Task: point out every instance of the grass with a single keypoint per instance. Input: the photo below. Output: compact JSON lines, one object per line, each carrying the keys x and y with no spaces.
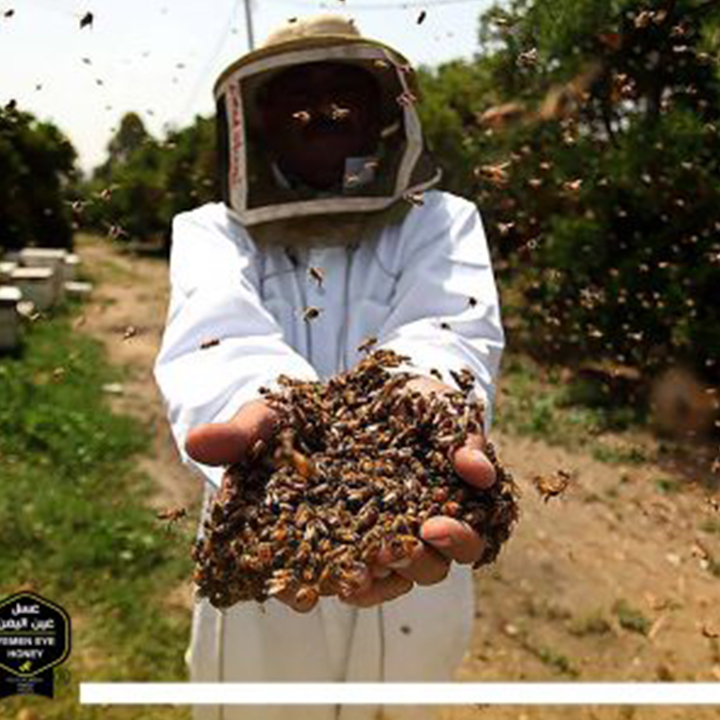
{"x":73,"y":526}
{"x":593,"y":623}
{"x":631,"y":618}
{"x":548,"y":656}
{"x":668,"y":486}
{"x":537,"y":402}
{"x":711,"y":525}
{"x":624,"y":456}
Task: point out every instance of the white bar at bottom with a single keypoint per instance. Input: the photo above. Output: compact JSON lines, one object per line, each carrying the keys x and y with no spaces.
{"x":651,"y":693}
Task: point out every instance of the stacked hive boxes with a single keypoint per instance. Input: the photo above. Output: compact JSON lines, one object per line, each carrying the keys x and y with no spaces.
{"x":41,"y":276}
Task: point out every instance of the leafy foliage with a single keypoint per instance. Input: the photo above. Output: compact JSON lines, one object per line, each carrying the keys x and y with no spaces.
{"x":592,"y":148}
{"x":37,"y":166}
{"x":145,"y":181}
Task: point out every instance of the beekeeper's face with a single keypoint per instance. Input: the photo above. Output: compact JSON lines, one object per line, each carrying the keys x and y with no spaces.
{"x":317,"y":115}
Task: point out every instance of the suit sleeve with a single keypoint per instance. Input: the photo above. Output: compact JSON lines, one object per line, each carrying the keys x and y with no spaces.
{"x":220,"y":344}
{"x":445,"y":311}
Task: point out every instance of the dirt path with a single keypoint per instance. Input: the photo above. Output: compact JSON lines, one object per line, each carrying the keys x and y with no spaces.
{"x":127,"y":313}
{"x":617,"y":580}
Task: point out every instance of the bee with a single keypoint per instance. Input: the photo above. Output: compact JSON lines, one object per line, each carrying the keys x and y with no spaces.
{"x":494,"y":174}
{"x":317,"y":274}
{"x":367,"y":344}
{"x":258,"y":448}
{"x":572,"y":185}
{"x":643,"y":19}
{"x":445,"y":326}
{"x":339,"y":113}
{"x":171,"y":515}
{"x":472,"y":301}
{"x":528,"y":58}
{"x":552,"y":486}
{"x":406,"y":98}
{"x":205,"y":344}
{"x":414,"y":198}
{"x":311,"y":313}
{"x":421,"y":17}
{"x":710,"y":632}
{"x":307,"y":595}
{"x":302,"y":464}
{"x":87,"y":20}
{"x":302,"y":116}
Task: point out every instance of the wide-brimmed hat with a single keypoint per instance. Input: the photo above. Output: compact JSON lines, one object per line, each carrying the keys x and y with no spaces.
{"x":321,"y":38}
{"x":325,"y":33}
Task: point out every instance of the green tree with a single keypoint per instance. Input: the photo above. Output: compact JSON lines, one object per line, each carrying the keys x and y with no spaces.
{"x":37,"y":167}
{"x":145,"y":181}
{"x":602,"y":198}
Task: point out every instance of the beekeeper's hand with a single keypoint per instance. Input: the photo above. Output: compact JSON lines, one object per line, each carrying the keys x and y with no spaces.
{"x":229,"y":442}
{"x":446,"y":539}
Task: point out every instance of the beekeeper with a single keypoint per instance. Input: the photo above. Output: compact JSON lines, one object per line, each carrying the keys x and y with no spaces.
{"x":329,"y":233}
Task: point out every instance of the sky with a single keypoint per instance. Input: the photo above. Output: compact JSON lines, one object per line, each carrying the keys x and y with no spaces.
{"x":160,"y":58}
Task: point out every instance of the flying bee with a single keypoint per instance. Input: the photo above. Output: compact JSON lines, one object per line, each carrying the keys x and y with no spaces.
{"x":339,"y":113}
{"x":421,"y":17}
{"x":367,"y":344}
{"x":172,"y":515}
{"x":552,"y":486}
{"x":528,"y":58}
{"x":472,"y":301}
{"x":414,"y":198}
{"x":494,"y":174}
{"x":212,"y":342}
{"x":572,"y":185}
{"x":302,"y":116}
{"x":406,"y":98}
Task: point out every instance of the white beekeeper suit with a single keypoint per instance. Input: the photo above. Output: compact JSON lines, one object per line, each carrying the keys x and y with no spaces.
{"x":418,"y":277}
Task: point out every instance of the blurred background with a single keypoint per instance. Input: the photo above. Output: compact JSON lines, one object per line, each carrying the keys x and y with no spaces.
{"x":587,"y":132}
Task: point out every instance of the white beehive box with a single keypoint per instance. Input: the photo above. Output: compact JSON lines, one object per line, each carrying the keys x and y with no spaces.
{"x":70,"y":267}
{"x":6,"y":270}
{"x":53,"y":258}
{"x":9,"y":317}
{"x":42,"y":257}
{"x":38,"y":284}
{"x":75,"y":289}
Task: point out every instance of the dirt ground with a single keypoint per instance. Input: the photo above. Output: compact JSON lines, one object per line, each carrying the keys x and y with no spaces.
{"x":618,"y":580}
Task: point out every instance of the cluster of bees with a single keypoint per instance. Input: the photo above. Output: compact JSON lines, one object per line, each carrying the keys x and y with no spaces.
{"x":357,"y":464}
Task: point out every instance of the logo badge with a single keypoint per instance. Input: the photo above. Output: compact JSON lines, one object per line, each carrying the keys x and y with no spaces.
{"x":34,"y":638}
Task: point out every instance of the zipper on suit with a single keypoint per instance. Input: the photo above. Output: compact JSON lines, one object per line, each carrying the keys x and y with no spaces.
{"x":350,"y":254}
